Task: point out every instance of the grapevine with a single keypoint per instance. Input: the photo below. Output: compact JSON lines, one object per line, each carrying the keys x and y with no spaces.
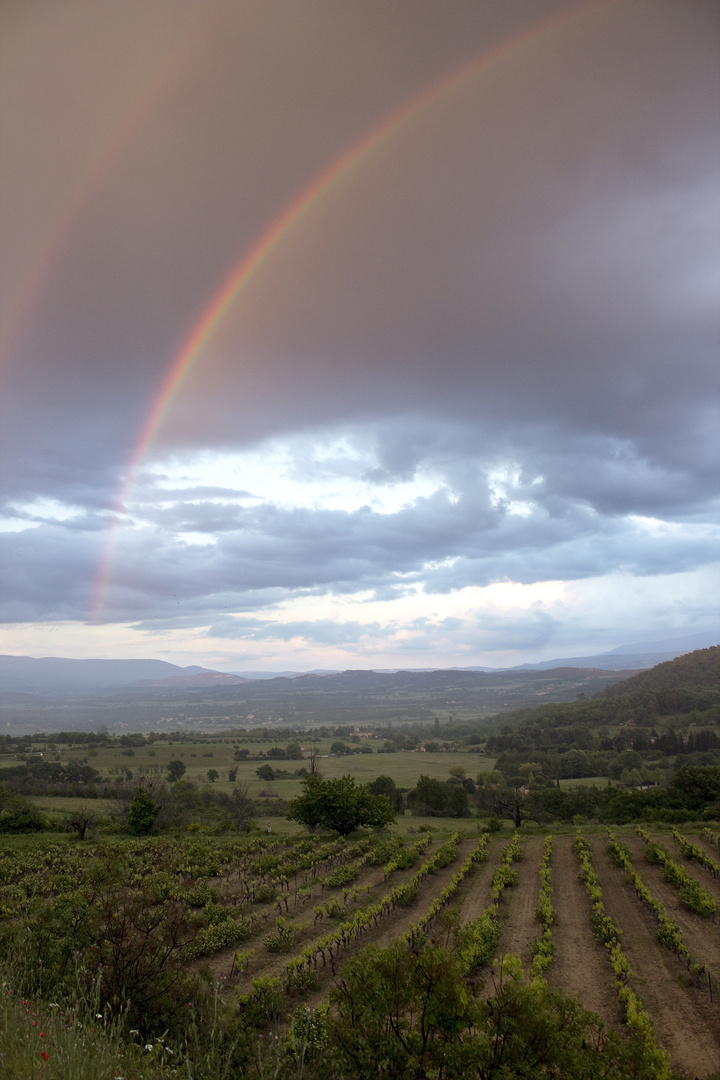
{"x":605,"y":930}
{"x":690,"y":891}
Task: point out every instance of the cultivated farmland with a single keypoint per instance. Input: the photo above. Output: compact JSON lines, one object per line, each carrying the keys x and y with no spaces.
{"x":272,"y":923}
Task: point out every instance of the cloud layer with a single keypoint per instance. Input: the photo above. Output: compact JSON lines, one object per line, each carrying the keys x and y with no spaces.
{"x":488,"y":356}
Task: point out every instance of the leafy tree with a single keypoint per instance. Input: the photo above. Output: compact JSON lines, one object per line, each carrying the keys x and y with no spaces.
{"x":265,"y":772}
{"x":385,"y":785}
{"x":241,"y":754}
{"x":176,"y":770}
{"x":142,"y":813}
{"x":697,"y":785}
{"x":213,"y":775}
{"x":339,"y":804}
{"x":438,"y":798}
{"x":232,"y":775}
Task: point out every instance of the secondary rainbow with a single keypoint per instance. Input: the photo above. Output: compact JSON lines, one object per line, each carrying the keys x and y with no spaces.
{"x":130,"y":119}
{"x":289,"y":219}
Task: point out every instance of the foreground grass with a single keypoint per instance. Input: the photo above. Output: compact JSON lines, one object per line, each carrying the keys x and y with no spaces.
{"x":72,"y":1041}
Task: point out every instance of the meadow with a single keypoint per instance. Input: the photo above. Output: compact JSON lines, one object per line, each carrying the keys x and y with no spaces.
{"x":204,"y":753}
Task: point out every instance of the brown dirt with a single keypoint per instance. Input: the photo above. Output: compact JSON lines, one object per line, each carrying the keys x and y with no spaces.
{"x":402,"y":918}
{"x":580,"y":966}
{"x":684,"y":1021}
{"x":709,"y":848}
{"x":392,"y":926}
{"x":700,"y":934}
{"x":221,"y":965}
{"x":701,"y":873}
{"x":522,"y":926}
{"x":477,"y":897}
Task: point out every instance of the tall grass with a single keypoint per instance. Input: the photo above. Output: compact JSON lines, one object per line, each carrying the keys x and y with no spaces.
{"x":77,"y":1038}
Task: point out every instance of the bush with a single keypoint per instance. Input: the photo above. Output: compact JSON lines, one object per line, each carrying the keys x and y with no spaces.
{"x":142,"y":813}
{"x":18,"y":815}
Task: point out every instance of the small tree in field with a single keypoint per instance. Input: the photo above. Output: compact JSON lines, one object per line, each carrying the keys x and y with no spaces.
{"x":213,"y":775}
{"x":176,"y":770}
{"x":340,"y":805}
{"x":82,"y":820}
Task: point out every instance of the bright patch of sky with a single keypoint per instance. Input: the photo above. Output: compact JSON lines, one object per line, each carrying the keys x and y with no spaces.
{"x":38,"y":512}
{"x":337,"y":474}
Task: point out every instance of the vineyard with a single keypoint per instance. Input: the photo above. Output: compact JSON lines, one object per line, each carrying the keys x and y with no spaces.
{"x":270,"y":930}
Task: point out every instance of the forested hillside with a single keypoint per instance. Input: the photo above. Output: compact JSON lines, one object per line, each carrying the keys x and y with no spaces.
{"x":694,"y":670}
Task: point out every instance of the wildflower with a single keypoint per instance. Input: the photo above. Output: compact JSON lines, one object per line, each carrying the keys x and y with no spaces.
{"x":98,"y":1016}
{"x":44,"y":1056}
{"x":148,"y":1046}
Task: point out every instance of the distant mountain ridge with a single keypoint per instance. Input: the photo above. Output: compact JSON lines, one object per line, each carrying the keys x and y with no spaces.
{"x":203,"y":678}
{"x":27,"y":673}
{"x":55,"y":672}
{"x":641,"y":654}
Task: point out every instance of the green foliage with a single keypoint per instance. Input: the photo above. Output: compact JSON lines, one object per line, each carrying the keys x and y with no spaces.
{"x":342,"y":875}
{"x":142,"y":813}
{"x":385,"y":785}
{"x":543,"y":948}
{"x":217,"y":936}
{"x":406,"y":1014}
{"x":697,"y":669}
{"x":339,"y":804}
{"x":17,"y":815}
{"x":608,"y":934}
{"x":176,"y":769}
{"x":690,"y":891}
{"x":74,"y":1038}
{"x":438,"y":798}
{"x":281,"y":939}
{"x":695,"y":853}
{"x":265,"y":1004}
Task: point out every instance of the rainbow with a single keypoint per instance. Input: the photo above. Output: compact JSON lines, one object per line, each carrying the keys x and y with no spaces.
{"x":288,"y":220}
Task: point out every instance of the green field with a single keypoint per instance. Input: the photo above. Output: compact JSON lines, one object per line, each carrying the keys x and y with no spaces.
{"x":150,"y":762}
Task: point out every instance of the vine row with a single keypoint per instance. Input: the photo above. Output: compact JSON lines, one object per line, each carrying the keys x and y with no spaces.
{"x":668,"y":933}
{"x":543,"y":948}
{"x":605,"y":930}
{"x":696,"y":854}
{"x":329,"y":946}
{"x":690,"y":891}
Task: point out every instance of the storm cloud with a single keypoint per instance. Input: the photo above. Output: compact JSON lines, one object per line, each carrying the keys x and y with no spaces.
{"x":485,"y":358}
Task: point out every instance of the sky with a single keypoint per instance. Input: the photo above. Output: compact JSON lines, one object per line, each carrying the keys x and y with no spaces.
{"x":358,"y":333}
